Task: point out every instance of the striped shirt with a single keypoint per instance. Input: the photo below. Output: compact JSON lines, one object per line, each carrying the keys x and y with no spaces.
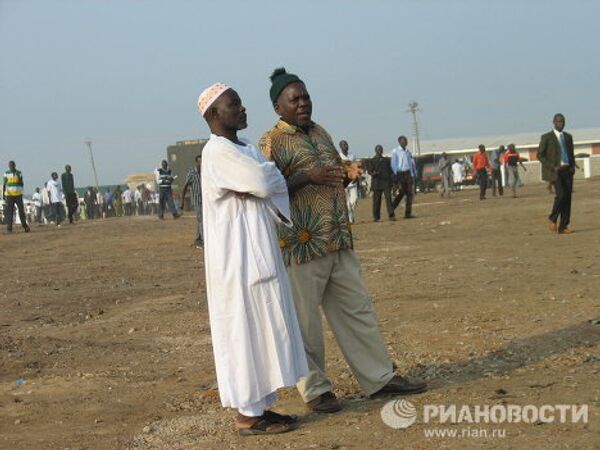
{"x":193,"y":180}
{"x":13,"y":179}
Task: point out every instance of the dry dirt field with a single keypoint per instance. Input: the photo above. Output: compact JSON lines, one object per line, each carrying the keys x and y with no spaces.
{"x":105,"y":326}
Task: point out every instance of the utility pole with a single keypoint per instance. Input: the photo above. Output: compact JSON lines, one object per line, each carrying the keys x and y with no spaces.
{"x":89,"y":144}
{"x":413,"y":107}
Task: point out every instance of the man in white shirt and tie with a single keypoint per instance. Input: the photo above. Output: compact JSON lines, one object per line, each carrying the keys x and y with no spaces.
{"x":404,"y":175}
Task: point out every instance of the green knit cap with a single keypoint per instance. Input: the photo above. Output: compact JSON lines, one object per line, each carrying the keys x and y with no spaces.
{"x":280,"y":79}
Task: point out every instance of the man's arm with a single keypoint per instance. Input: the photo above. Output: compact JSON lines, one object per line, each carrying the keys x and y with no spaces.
{"x":571,"y":151}
{"x":184,"y":192}
{"x":394,"y":162}
{"x":239,"y":173}
{"x":324,"y":175}
{"x":542,"y":149}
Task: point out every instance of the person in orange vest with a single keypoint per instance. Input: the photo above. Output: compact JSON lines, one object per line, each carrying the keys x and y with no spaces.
{"x":481,"y":164}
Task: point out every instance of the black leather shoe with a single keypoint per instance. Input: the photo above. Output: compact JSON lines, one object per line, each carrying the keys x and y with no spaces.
{"x":399,"y":385}
{"x":324,"y":403}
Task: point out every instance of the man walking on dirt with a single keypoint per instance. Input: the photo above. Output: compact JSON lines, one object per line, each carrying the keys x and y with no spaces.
{"x":12,"y":191}
{"x":444,"y":168}
{"x":481,"y":165}
{"x":381,"y":183}
{"x":68,"y":185}
{"x":164,"y":180}
{"x":495,"y":172}
{"x":555,"y":152}
{"x":405,"y":173}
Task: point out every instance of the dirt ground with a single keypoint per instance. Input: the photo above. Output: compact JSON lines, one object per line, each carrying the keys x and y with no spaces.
{"x":105,"y":343}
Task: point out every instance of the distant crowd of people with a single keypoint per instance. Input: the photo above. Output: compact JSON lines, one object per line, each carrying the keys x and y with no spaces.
{"x":58,"y":200}
{"x":396,"y":179}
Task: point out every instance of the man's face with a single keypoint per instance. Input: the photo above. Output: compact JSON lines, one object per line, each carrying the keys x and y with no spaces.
{"x":378,"y":150}
{"x":12,"y":165}
{"x":294,"y":105}
{"x":229,"y":111}
{"x":163,"y":164}
{"x":68,"y":169}
{"x":403,"y":142}
{"x":198,"y":163}
{"x":559,"y":123}
{"x":482,"y":149}
{"x":54,"y":176}
{"x":344,"y":147}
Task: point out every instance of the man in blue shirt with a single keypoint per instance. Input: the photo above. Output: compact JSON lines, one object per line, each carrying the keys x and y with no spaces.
{"x":404,"y":171}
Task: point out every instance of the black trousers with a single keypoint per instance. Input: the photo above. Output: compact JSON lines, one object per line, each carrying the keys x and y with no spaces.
{"x":482,"y":180}
{"x":377,"y":202}
{"x":406,"y":185}
{"x":497,"y":182}
{"x":72,"y":204}
{"x":563,"y":187}
{"x":9,"y":211}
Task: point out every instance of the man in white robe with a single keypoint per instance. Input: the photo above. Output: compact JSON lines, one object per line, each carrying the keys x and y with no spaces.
{"x":257,"y":343}
{"x":457,"y":174}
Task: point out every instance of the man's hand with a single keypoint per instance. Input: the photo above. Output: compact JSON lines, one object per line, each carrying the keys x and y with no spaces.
{"x":556,"y":168}
{"x":327,"y":175}
{"x":353,"y":170}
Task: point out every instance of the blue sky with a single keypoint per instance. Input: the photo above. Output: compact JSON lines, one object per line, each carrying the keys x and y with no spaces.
{"x":127,"y":73}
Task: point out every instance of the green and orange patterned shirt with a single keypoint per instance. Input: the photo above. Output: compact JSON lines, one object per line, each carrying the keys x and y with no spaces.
{"x":318,"y":212}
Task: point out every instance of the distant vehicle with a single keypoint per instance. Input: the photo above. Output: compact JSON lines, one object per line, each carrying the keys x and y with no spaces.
{"x":431,"y":178}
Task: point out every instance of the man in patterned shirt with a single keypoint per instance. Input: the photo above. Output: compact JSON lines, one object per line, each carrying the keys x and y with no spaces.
{"x":318,"y":251}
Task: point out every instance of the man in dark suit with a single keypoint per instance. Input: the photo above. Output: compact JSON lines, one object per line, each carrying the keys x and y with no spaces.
{"x":381,"y":183}
{"x":558,"y":165}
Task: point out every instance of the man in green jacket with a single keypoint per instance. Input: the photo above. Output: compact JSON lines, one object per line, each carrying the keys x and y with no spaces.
{"x":558,"y":166}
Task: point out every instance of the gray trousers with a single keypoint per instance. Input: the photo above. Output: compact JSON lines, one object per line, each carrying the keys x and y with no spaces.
{"x":445,"y":183}
{"x":334,"y":283}
{"x":199,"y":237}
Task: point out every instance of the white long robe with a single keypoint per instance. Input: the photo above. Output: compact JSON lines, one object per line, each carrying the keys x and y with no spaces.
{"x":256,"y":339}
